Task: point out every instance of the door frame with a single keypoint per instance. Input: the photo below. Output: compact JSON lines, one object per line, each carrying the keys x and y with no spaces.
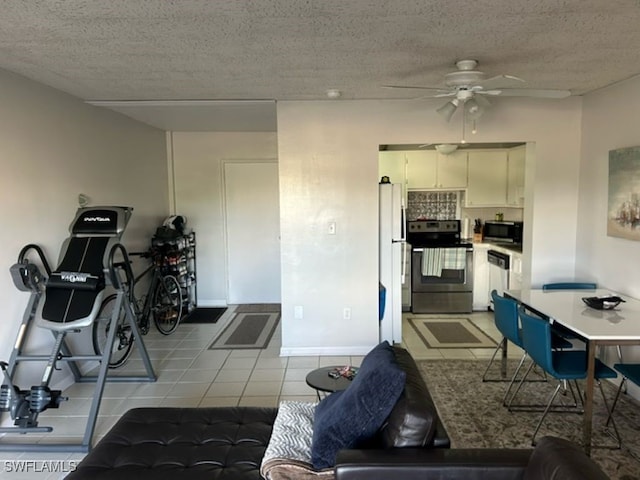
{"x":225,"y":219}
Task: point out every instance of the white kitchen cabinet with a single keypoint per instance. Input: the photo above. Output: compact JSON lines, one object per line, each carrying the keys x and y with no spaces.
{"x":429,"y":169}
{"x":452,"y":170}
{"x":393,"y":165}
{"x":515,"y":176}
{"x":487,"y":178}
{"x":422,"y":169}
{"x":480,"y":277}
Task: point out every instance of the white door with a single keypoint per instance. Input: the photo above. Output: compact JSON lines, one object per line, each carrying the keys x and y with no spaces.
{"x":253,"y":231}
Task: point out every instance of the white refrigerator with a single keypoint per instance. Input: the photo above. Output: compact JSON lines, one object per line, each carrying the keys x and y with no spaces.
{"x":391,"y":259}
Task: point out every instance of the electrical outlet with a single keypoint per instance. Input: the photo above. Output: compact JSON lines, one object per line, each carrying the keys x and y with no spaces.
{"x":298,"y":312}
{"x":331,"y":228}
{"x":346,"y":313}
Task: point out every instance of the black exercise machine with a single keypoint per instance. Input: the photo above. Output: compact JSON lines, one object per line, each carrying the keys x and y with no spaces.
{"x":65,"y":301}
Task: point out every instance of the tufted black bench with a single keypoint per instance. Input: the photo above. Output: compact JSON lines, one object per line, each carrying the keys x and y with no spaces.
{"x":171,"y":443}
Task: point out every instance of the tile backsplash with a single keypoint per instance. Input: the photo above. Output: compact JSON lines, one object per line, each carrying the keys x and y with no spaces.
{"x":433,"y":205}
{"x":448,"y":205}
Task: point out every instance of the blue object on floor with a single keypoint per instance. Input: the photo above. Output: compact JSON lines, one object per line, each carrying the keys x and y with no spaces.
{"x":382,"y":298}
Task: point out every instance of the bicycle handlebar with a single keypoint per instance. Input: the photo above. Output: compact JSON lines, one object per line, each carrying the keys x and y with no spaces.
{"x":150,"y":253}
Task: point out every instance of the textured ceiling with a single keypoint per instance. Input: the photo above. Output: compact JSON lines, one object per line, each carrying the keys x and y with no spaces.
{"x":297,"y":49}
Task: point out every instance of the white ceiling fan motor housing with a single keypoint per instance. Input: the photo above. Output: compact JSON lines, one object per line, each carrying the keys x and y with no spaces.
{"x":466,"y":76}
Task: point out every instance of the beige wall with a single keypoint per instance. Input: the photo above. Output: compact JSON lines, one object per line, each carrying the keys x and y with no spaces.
{"x":198,"y":190}
{"x":328,"y":157}
{"x":53,"y":147}
{"x":610,"y":121}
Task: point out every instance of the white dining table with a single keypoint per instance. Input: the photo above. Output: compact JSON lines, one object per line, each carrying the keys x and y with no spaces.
{"x":620,"y":326}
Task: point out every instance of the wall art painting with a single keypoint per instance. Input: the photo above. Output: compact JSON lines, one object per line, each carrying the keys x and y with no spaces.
{"x":623,"y":217}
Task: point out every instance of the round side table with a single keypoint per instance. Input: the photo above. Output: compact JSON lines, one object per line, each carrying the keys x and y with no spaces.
{"x":320,"y":380}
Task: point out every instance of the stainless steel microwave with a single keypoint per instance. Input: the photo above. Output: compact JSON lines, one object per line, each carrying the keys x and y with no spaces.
{"x":503,"y":232}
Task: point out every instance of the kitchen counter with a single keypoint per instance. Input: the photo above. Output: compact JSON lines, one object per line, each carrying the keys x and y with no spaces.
{"x":511,"y":247}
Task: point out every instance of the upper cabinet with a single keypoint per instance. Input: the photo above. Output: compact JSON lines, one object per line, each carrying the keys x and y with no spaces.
{"x":393,"y":165}
{"x":491,"y":177}
{"x":422,"y":169}
{"x":515,"y":177}
{"x":487,"y":178}
{"x":429,"y":169}
{"x":452,"y":170}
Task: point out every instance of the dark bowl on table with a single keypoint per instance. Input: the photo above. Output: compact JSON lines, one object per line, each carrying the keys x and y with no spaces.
{"x":603,"y":303}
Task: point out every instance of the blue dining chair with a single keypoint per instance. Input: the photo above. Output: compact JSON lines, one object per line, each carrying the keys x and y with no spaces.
{"x":629,"y":371}
{"x":570,"y":286}
{"x":564,"y":365}
{"x":507,"y":322}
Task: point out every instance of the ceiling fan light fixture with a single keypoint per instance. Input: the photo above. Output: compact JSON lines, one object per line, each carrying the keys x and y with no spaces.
{"x":448,"y":109}
{"x":446,"y":148}
{"x":473,"y":109}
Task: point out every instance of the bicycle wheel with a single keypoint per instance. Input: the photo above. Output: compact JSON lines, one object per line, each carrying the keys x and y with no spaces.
{"x":123,"y":341}
{"x":167,"y":304}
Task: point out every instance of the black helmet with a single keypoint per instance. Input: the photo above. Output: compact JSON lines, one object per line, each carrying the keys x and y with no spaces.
{"x":175,"y":222}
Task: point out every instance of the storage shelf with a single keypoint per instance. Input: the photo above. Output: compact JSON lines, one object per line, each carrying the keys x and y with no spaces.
{"x":178,"y":258}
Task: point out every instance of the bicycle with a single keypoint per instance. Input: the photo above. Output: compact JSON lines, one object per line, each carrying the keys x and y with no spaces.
{"x":162,"y":300}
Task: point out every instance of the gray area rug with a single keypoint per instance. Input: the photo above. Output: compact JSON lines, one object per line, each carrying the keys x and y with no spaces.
{"x":247,"y":330}
{"x":450,"y":333}
{"x":258,"y":308}
{"x":473,"y":415}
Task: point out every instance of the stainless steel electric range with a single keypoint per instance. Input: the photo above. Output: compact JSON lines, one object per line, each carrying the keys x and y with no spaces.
{"x":441,"y":267}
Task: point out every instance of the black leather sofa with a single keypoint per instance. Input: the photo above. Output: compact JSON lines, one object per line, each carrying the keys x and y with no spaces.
{"x":552,"y":459}
{"x":229,"y":443}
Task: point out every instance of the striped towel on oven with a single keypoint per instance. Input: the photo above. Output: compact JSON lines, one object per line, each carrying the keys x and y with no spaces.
{"x":432,"y":262}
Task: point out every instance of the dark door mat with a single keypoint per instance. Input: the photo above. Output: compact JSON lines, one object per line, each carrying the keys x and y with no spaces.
{"x":258,"y":308}
{"x":204,"y":315}
{"x":247,"y":330}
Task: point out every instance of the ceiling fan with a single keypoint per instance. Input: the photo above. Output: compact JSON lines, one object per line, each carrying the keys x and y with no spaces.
{"x":469,"y":87}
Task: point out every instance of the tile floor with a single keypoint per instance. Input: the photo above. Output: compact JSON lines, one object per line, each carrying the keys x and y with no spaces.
{"x":189,"y":374}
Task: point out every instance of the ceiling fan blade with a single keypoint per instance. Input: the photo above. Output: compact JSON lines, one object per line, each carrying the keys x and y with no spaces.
{"x":533,"y":92}
{"x":443,"y":94}
{"x":413,"y":87}
{"x":482,"y":101}
{"x":488,"y":92}
{"x":500,"y":81}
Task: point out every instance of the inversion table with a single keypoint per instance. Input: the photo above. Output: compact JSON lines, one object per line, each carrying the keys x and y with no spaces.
{"x":66,"y":301}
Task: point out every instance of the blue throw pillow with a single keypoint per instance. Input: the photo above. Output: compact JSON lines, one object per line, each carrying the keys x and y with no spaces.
{"x":348,"y":418}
